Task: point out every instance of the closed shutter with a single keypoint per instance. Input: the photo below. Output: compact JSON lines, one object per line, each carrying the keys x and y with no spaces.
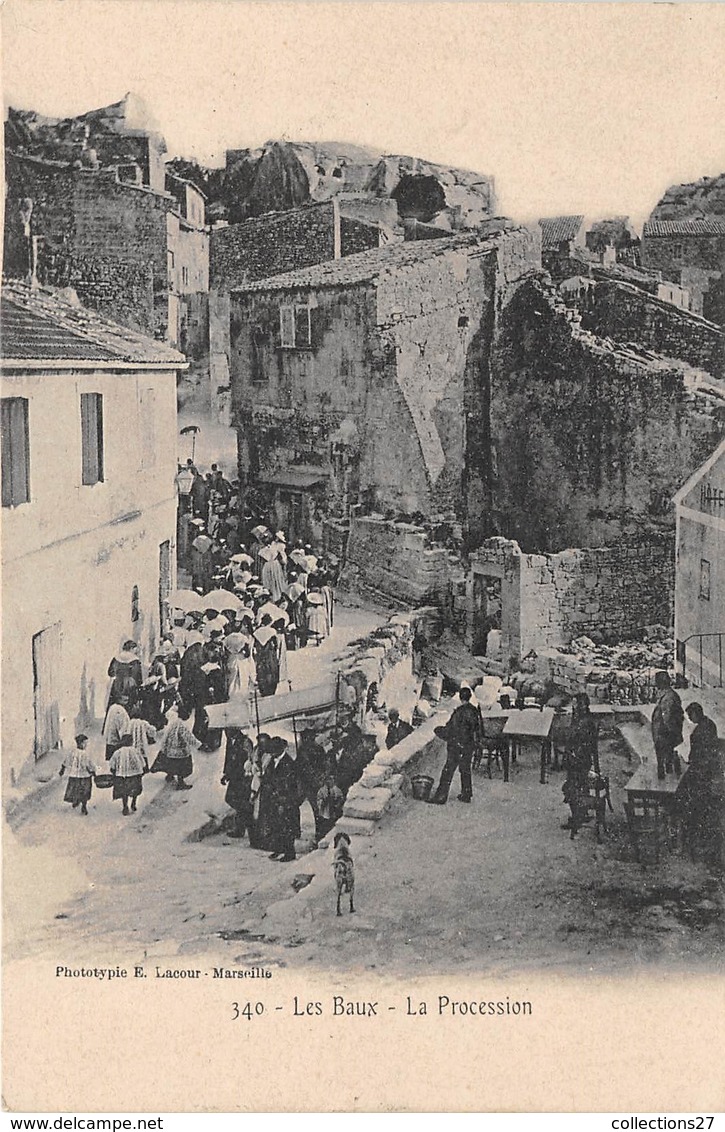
{"x":302,"y":326}
{"x":15,"y":452}
{"x":287,"y":326}
{"x":92,"y":437}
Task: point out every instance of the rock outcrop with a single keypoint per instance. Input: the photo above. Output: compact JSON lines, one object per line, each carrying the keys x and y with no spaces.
{"x":693,"y":201}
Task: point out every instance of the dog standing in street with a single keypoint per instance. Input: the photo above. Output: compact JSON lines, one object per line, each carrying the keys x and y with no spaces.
{"x":344,"y":869}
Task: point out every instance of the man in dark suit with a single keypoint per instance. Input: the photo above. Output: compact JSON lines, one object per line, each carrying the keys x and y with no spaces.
{"x":462,"y":734}
{"x":667,"y":720}
{"x":285,"y":796}
{"x":397,"y":728}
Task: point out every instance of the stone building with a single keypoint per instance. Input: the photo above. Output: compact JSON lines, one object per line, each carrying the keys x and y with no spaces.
{"x":561,"y":237}
{"x":89,"y":206}
{"x":700,"y":574}
{"x":591,"y":437}
{"x":89,"y":511}
{"x":690,"y":252}
{"x":277,"y":242}
{"x":363,"y":381}
{"x":616,"y":233}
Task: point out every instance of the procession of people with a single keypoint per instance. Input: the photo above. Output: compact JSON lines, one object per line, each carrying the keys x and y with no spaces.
{"x":229,"y":633}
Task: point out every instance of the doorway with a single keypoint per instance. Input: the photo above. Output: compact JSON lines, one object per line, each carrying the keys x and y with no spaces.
{"x":46,"y":668}
{"x":486,"y":610}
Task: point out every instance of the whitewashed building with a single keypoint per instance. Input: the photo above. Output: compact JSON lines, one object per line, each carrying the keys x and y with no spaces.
{"x":700,"y":574}
{"x":88,"y":511}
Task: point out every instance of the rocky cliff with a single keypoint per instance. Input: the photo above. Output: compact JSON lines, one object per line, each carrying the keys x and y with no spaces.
{"x":694,"y":201}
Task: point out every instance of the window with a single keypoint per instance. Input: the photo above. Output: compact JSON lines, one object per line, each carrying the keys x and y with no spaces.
{"x":704,"y":579}
{"x":135,"y":611}
{"x":15,"y":451}
{"x":295,"y":327}
{"x":185,"y":276}
{"x":92,"y":437}
{"x":677,"y":251}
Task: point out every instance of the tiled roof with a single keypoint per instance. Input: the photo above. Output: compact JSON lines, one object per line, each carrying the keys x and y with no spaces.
{"x":554,"y":229}
{"x":708,"y":226}
{"x":40,"y":324}
{"x":365,"y":267}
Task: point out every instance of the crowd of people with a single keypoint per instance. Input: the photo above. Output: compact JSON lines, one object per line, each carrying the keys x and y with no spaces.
{"x":250,"y":603}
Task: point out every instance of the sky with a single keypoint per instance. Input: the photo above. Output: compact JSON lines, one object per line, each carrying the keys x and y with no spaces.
{"x":591,"y":108}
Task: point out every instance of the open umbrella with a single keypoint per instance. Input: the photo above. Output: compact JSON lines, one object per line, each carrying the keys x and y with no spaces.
{"x":191,"y":430}
{"x":274,"y":612}
{"x":221,"y":599}
{"x":186,"y":600}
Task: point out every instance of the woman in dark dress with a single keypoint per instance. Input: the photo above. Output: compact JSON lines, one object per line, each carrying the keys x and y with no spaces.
{"x":266,"y":657}
{"x":237,"y":777}
{"x":126,"y":673}
{"x":261,"y":831}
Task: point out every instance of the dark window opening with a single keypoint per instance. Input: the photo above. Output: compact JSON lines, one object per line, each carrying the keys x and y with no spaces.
{"x":135,"y":609}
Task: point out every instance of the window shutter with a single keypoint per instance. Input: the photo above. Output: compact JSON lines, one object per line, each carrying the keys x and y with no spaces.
{"x":92,"y":437}
{"x":287,"y":326}
{"x":302,"y":326}
{"x":15,"y":452}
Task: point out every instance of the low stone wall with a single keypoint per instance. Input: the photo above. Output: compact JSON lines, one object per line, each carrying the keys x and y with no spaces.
{"x":397,"y":560}
{"x":390,"y":773}
{"x":603,"y":685}
{"x":610,"y":592}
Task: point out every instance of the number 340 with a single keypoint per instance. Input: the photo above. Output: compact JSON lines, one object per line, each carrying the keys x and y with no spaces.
{"x":249,"y":1010}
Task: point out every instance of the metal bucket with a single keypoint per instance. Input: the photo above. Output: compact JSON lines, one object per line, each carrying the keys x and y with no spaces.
{"x":421,"y":785}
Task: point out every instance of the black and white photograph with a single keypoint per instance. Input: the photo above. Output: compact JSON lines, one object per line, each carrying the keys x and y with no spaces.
{"x":363,"y":556}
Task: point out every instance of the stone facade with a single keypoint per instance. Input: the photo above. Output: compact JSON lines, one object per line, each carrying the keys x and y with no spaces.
{"x":268,"y":245}
{"x":548,"y":599}
{"x":627,"y":313}
{"x":692,"y":253}
{"x":394,"y":343}
{"x":398,"y":561}
{"x":590,"y":440}
{"x":125,"y":248}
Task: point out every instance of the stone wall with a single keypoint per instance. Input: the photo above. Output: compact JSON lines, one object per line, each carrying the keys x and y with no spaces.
{"x":612,"y":593}
{"x":357,"y":236}
{"x":272,"y":244}
{"x":590,"y":441}
{"x":398,"y":561}
{"x":106,"y":239}
{"x":626,"y":313}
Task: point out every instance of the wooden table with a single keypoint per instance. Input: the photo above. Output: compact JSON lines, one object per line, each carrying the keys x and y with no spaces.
{"x":659,"y":793}
{"x":530,"y":723}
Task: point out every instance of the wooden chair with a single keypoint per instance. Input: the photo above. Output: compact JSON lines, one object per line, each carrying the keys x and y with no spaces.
{"x":597,"y":800}
{"x":493,"y":746}
{"x":648,"y":824}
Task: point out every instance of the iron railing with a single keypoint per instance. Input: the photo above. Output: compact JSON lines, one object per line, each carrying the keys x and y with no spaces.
{"x":703,"y":658}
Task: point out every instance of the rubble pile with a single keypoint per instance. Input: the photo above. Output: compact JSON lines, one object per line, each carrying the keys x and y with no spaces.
{"x":617,"y":674}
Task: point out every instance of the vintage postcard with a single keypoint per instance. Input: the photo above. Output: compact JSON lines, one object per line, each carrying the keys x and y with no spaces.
{"x":363,"y":551}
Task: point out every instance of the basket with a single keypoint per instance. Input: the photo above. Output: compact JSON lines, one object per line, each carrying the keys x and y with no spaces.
{"x":104,"y":781}
{"x":421,"y":785}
